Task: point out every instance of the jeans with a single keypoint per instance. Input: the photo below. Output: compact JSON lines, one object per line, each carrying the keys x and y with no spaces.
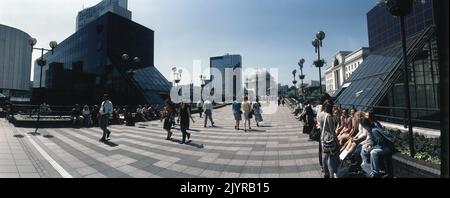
{"x":208,"y":114}
{"x":330,"y":164}
{"x":103,"y":124}
{"x":356,"y":155}
{"x":375,"y":156}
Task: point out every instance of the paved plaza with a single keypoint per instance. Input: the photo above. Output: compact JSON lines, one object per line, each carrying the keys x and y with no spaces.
{"x":276,"y":150}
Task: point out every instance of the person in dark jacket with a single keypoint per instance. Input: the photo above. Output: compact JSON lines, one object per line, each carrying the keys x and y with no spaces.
{"x":185,"y":117}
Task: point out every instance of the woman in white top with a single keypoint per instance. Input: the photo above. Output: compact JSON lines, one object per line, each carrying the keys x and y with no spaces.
{"x":247,"y":107}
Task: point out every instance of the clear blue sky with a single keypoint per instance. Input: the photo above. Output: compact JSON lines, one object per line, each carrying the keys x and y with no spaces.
{"x":267,"y":33}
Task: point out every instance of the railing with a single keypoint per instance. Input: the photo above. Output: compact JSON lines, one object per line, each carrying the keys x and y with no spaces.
{"x":419,"y":122}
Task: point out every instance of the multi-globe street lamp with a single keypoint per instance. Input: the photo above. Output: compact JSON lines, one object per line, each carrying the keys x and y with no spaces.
{"x":302,"y":76}
{"x":41,"y":62}
{"x":202,"y":81}
{"x":317,"y":43}
{"x":294,"y":82}
{"x":177,"y":77}
{"x":132,"y":65}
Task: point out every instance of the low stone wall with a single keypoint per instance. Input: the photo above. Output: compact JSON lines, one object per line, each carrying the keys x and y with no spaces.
{"x":407,"y":167}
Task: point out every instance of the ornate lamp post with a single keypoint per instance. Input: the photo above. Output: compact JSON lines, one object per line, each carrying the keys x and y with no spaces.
{"x":202,"y":79}
{"x":294,"y":82}
{"x":41,"y":62}
{"x":317,"y":43}
{"x":302,"y":76}
{"x":402,"y":8}
{"x":135,"y":60}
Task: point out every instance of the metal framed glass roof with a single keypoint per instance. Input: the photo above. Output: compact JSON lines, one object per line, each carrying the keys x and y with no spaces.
{"x":369,"y":80}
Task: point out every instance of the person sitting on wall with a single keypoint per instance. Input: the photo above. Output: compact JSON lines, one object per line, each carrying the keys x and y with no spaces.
{"x":76,"y":116}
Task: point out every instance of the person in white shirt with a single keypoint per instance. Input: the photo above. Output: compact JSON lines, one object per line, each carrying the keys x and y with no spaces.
{"x":207,"y":108}
{"x":105,"y":112}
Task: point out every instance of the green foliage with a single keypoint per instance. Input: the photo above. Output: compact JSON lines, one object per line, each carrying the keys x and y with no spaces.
{"x":427,"y":149}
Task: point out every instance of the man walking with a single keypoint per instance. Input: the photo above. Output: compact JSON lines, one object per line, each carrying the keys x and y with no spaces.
{"x":208,"y":107}
{"x":105,"y":112}
{"x":200,"y":107}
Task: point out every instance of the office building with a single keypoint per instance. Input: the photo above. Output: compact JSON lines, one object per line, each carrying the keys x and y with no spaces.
{"x":378,"y":83}
{"x":119,"y":7}
{"x":232,"y":62}
{"x":384,"y":29}
{"x":90,"y":63}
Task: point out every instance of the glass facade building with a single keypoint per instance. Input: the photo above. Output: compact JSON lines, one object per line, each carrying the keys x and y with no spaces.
{"x":378,"y":83}
{"x":89,"y":63}
{"x":227,"y":61}
{"x":384,"y":28}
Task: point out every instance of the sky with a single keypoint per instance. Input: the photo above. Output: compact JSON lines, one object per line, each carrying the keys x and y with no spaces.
{"x":266,"y":33}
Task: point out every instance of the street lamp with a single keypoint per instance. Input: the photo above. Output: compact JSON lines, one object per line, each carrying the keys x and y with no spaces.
{"x":135,"y":60}
{"x":202,"y":80}
{"x":302,"y":76}
{"x":41,"y":62}
{"x":294,"y":82}
{"x":402,"y":8}
{"x":317,"y":43}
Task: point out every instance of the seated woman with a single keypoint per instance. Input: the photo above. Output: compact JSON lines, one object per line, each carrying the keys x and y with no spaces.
{"x":378,"y":145}
{"x":353,"y":140}
{"x":346,"y":125}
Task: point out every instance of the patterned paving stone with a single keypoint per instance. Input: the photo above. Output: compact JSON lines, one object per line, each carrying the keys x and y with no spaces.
{"x":277,"y":150}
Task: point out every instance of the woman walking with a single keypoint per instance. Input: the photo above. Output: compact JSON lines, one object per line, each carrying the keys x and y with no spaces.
{"x":236,"y":108}
{"x":247,"y":107}
{"x":257,"y":111}
{"x":185,"y":114}
{"x":168,"y":115}
{"x":329,"y":141}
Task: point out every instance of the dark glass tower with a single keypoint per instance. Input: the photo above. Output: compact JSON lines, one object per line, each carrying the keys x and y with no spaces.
{"x":89,"y":63}
{"x":384,"y":28}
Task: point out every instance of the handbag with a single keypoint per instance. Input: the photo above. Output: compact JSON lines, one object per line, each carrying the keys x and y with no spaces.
{"x":329,"y":143}
{"x":315,"y":134}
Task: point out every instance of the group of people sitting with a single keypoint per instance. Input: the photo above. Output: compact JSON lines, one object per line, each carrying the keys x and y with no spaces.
{"x":347,"y":134}
{"x":89,"y":116}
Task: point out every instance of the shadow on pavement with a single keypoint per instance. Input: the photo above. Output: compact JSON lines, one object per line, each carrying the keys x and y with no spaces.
{"x":189,"y":143}
{"x":111,"y":144}
{"x":18,"y":136}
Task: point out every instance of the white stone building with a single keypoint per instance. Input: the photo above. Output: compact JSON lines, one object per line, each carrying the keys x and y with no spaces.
{"x":344,"y":63}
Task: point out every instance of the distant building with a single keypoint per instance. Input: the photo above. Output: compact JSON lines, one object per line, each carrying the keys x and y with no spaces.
{"x":232,"y":62}
{"x":344,"y":63}
{"x":260,"y":83}
{"x":15,"y":63}
{"x":119,"y":7}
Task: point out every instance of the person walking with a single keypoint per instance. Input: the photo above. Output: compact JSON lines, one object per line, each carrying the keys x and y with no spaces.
{"x":185,"y":115}
{"x":168,"y":115}
{"x":257,"y":111}
{"x":236,"y":108}
{"x":105,"y":112}
{"x":208,"y":107}
{"x":200,"y":107}
{"x":308,"y":115}
{"x":247,"y":107}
